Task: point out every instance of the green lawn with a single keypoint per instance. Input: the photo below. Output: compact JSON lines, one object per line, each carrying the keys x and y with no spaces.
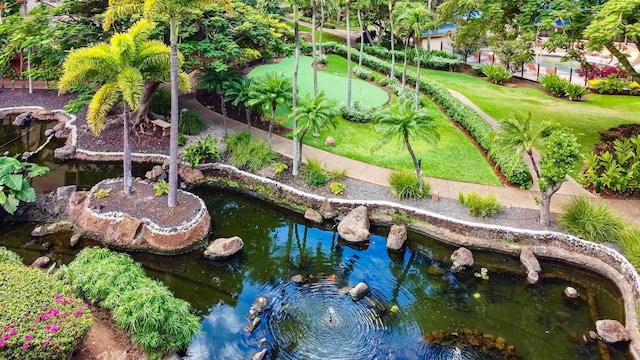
{"x":325,"y":35}
{"x":585,"y":118}
{"x":334,"y":86}
{"x":454,"y":158}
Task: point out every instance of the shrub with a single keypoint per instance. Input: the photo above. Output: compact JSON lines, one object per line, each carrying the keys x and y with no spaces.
{"x":617,"y":170}
{"x":190,"y":123}
{"x":594,"y":222}
{"x":156,"y":320}
{"x":496,"y":73}
{"x":612,"y":85}
{"x":337,"y":188}
{"x":314,"y":165}
{"x":358,"y":113}
{"x":555,"y":84}
{"x":337,"y":175}
{"x":182,"y":139}
{"x":161,"y":102}
{"x":479,"y":205}
{"x":252,"y":155}
{"x":200,"y":152}
{"x":8,"y":256}
{"x":630,"y":243}
{"x":233,"y":140}
{"x":161,"y":188}
{"x":574,"y":92}
{"x":478,"y":69}
{"x":404,"y":185}
{"x":363,"y":73}
{"x":315,"y":178}
{"x":40,"y":317}
{"x":101,"y":193}
{"x":279,"y":167}
{"x":321,"y":58}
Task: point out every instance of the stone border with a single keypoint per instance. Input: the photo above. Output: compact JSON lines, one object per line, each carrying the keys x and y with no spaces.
{"x":553,"y":245}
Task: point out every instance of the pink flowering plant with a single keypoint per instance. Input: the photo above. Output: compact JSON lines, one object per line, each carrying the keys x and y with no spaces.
{"x":39,"y":316}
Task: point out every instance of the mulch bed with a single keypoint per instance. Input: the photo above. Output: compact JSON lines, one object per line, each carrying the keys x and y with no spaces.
{"x":143,"y":203}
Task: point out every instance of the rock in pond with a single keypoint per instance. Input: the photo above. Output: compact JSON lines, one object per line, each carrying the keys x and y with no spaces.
{"x":359,"y":291}
{"x":611,"y":331}
{"x":156,"y":173}
{"x":531,"y":265}
{"x":355,"y":226}
{"x":53,"y":228}
{"x":571,"y":293}
{"x":298,"y":279}
{"x":259,"y":355}
{"x":327,"y":210}
{"x":250,"y":327}
{"x":461,"y":258}
{"x":397,"y":236}
{"x":313,"y":215}
{"x":223,"y":248}
{"x":257,"y":307}
{"x":41,"y":262}
{"x":75,"y":239}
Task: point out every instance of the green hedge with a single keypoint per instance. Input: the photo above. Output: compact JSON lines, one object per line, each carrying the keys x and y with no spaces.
{"x":40,"y":317}
{"x":437,"y":60}
{"x":156,"y":320}
{"x":461,"y":113}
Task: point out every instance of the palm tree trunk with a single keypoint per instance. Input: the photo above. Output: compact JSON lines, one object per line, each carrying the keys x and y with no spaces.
{"x":223,"y":109}
{"x":348,"y":56}
{"x":361,"y":35}
{"x":294,"y":100}
{"x":415,"y":40}
{"x":545,"y":208}
{"x":416,"y":164}
{"x":273,"y":119}
{"x":302,"y":135}
{"x":321,"y":26}
{"x":173,"y":140}
{"x":393,"y":40}
{"x":314,"y":10}
{"x":149,"y":88}
{"x":29,"y":71}
{"x":404,"y":67}
{"x":126,"y":158}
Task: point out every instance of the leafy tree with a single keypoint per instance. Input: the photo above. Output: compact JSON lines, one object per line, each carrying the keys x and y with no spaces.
{"x":121,"y":68}
{"x":269,"y":91}
{"x":314,"y":113}
{"x":520,"y":134}
{"x":562,"y":152}
{"x":218,"y":78}
{"x":14,"y":184}
{"x":402,"y":121}
{"x":174,"y":10}
{"x":239,"y":93}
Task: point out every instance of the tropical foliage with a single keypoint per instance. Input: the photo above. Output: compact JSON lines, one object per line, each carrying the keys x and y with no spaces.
{"x":268,"y":92}
{"x":590,"y":221}
{"x":204,"y":150}
{"x":14,"y":182}
{"x":617,"y":170}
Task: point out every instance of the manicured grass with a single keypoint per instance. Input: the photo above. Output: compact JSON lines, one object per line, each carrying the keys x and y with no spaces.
{"x":584,"y":119}
{"x":325,"y":35}
{"x":334,"y":86}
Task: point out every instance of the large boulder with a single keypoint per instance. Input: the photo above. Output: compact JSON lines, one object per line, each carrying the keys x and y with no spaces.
{"x":223,"y":248}
{"x":355,"y":226}
{"x":611,"y":331}
{"x":461,"y":258}
{"x":156,"y":173}
{"x":397,"y":236}
{"x":531,"y":265}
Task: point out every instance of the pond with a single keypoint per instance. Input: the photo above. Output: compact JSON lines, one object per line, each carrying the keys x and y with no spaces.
{"x":416,"y":308}
{"x":413,"y":294}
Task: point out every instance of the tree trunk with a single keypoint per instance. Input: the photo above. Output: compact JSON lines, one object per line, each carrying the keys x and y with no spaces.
{"x":533,"y":162}
{"x":302,"y":135}
{"x":173,"y":140}
{"x":126,"y":158}
{"x":415,"y":40}
{"x":273,"y":119}
{"x":361,"y":35}
{"x":404,"y":67}
{"x":149,"y":88}
{"x":22,"y":68}
{"x":416,"y":164}
{"x":294,"y":102}
{"x":314,"y":10}
{"x":247,"y":114}
{"x":29,"y":71}
{"x":348,"y":55}
{"x":223,"y":109}
{"x":545,"y":209}
{"x":321,"y":27}
{"x":623,"y":61}
{"x":393,"y":40}
{"x":429,"y":29}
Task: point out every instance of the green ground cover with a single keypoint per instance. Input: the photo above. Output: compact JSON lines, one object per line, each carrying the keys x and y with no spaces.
{"x":325,"y":35}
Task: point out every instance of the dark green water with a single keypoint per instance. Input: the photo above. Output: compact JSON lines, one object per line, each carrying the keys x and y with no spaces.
{"x":412,"y":293}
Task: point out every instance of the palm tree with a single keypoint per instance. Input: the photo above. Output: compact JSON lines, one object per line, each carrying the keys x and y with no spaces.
{"x":403,"y":122}
{"x":519,"y":133}
{"x":414,"y":17}
{"x":348,"y":3}
{"x":173,"y":9}
{"x":314,"y":113}
{"x":121,"y":67}
{"x":238,"y":92}
{"x":269,"y":91}
{"x":218,"y":77}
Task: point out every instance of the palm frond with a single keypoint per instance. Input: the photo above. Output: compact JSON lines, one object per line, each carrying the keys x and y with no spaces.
{"x":141,"y":30}
{"x":183,"y":82}
{"x":122,"y":47}
{"x":100,"y":105}
{"x":130,"y":82}
{"x":119,"y":8}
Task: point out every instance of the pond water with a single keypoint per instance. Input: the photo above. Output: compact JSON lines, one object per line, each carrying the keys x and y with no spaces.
{"x":417,"y":308}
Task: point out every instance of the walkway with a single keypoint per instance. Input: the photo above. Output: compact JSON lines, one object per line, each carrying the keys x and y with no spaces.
{"x":509,"y":197}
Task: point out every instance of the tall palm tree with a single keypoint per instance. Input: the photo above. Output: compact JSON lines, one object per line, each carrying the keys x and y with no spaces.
{"x":403,"y":122}
{"x":218,"y":77}
{"x":269,"y":91}
{"x":414,"y":18}
{"x":121,"y":67}
{"x":239,"y":93}
{"x":520,"y":133}
{"x":314,"y":113}
{"x":174,"y":10}
{"x":349,"y":75}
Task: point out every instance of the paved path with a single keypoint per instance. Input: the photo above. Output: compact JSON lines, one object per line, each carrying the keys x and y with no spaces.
{"x":630,"y":209}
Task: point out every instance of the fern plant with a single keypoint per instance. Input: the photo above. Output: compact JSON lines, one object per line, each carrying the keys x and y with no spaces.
{"x":203,"y":150}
